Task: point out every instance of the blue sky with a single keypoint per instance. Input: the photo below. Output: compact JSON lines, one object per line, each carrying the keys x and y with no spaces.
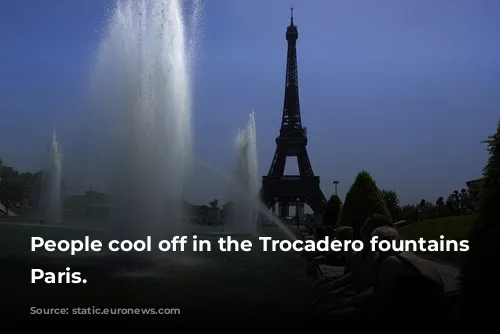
{"x":404,"y":89}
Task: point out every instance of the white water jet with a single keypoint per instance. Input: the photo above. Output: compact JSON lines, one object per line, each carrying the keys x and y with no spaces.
{"x":244,"y":210}
{"x":52,"y":201}
{"x":263,"y":210}
{"x":143,"y":136}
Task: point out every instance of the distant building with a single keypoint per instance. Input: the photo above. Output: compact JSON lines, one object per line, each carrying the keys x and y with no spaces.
{"x":214,"y":214}
{"x":97,"y":203}
{"x":227,"y":210}
{"x":75,"y":204}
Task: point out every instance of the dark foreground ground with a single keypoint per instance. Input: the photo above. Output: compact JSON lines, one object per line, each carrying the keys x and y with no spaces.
{"x":215,"y":286}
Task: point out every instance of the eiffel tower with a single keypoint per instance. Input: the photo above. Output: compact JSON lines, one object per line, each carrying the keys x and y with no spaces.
{"x":292,"y":142}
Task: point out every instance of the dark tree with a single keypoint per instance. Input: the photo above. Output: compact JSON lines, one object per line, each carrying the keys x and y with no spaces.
{"x":479,"y":282}
{"x":202,"y":210}
{"x":10,"y":185}
{"x":363,"y":199}
{"x":391,"y":200}
{"x":17,"y":187}
{"x":408,"y":212}
{"x":214,"y":204}
{"x":35,"y":192}
{"x":332,"y":211}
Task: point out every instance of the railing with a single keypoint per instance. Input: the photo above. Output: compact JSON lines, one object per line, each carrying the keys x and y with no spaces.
{"x":290,"y":177}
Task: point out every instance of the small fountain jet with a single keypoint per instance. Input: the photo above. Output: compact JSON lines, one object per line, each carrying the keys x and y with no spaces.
{"x":243,"y":217}
{"x":52,"y":186}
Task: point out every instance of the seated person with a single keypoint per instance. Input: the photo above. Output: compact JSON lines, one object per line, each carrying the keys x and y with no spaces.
{"x":408,"y":287}
{"x":363,"y":263}
{"x":317,"y":258}
{"x":319,"y":234}
{"x":332,"y":258}
{"x":345,"y":233}
{"x":361,"y":276}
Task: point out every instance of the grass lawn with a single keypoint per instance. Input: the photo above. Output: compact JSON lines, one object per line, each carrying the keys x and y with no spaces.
{"x":453,"y":228}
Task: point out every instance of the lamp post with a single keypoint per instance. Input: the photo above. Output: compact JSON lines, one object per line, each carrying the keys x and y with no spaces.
{"x":335,"y":183}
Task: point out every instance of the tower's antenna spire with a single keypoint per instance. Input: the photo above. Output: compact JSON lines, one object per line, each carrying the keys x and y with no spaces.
{"x":291,"y":15}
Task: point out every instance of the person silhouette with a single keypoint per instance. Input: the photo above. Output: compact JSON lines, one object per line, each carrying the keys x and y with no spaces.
{"x":440,"y":206}
{"x":451,"y":202}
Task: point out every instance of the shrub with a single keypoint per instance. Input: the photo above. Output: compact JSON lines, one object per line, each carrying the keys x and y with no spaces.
{"x":363,"y":199}
{"x":408,"y":212}
{"x":391,"y":200}
{"x":429,"y":211}
{"x":332,"y":211}
{"x":478,"y":278}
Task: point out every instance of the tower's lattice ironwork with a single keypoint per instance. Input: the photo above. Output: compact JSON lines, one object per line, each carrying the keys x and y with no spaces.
{"x":292,"y":142}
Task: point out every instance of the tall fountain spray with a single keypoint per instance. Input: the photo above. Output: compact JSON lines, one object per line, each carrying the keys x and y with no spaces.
{"x":243,"y":217}
{"x":142,"y":90}
{"x":52,"y":188}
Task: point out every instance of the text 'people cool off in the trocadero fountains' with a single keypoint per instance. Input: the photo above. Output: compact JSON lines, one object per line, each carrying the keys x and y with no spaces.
{"x":225,"y":244}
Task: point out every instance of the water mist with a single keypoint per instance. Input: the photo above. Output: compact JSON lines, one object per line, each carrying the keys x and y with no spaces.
{"x":243,"y":215}
{"x":51,"y":200}
{"x":143,"y":137}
